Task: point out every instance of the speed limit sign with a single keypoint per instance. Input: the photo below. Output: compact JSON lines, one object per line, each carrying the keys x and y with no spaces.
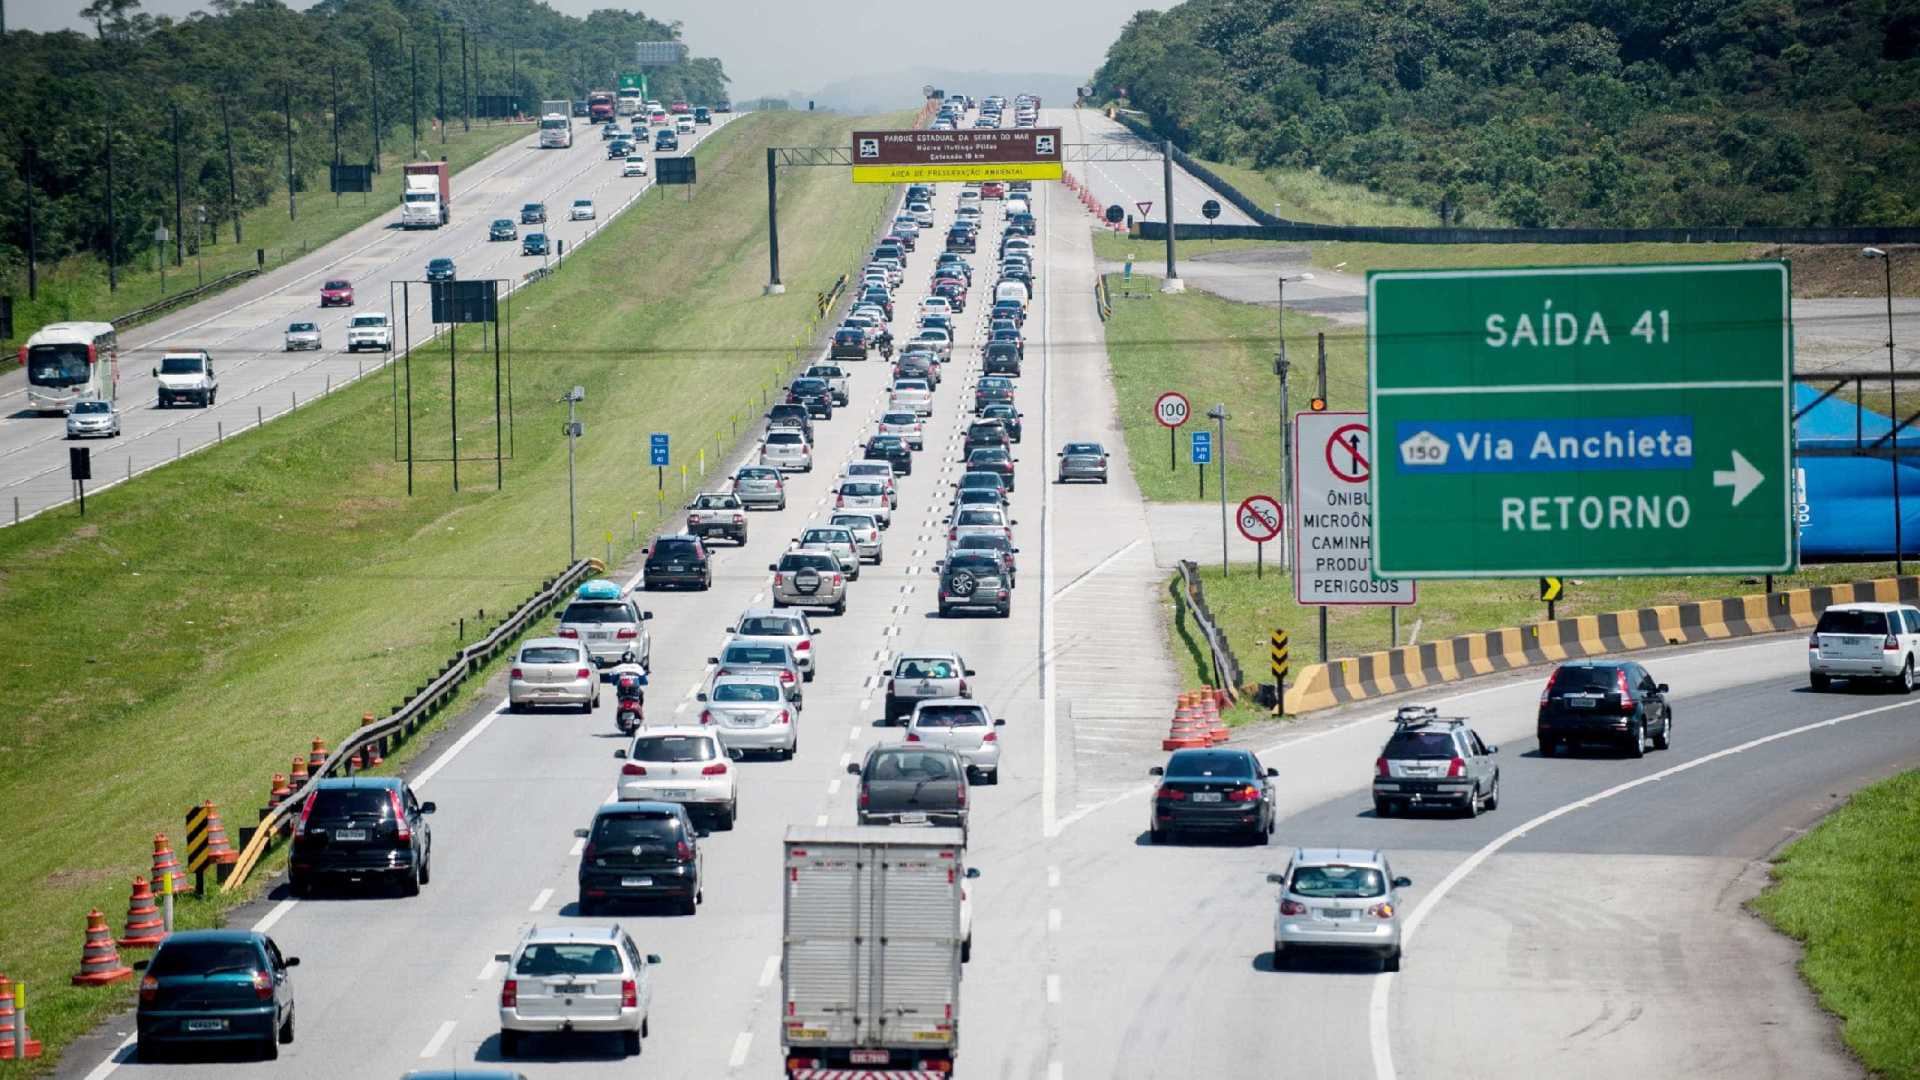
{"x":1172,"y":409}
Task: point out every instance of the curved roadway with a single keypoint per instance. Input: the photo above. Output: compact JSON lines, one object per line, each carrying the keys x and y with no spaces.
{"x":243,"y":328}
{"x":1588,"y":927}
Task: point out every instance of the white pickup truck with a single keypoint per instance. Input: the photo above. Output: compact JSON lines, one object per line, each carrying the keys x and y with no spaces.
{"x":370,"y":330}
{"x":187,"y":376}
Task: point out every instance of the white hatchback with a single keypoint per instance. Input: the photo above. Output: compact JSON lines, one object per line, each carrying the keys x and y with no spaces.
{"x":1864,"y":641}
{"x":582,"y":210}
{"x":634,"y":166}
{"x":963,"y":726}
{"x":786,"y":450}
{"x":685,"y":765}
{"x":911,"y":395}
{"x":564,"y":979}
{"x":553,"y":671}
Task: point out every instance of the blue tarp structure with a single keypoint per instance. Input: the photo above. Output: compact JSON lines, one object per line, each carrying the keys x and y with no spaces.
{"x":1846,"y":509}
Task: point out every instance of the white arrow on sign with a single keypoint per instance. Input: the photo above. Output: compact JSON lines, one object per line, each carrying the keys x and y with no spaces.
{"x":1742,"y":478}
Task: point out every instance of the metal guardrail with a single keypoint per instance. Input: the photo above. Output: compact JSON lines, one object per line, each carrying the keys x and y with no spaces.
{"x":1226,"y":667}
{"x":410,"y":714}
{"x":168,"y":302}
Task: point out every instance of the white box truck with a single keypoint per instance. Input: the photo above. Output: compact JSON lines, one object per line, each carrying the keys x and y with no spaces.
{"x":426,"y":202}
{"x":556,"y":131}
{"x":871,"y":952}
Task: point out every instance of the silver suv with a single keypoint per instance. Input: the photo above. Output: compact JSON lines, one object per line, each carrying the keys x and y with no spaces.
{"x":975,"y":580}
{"x":1336,"y":899}
{"x":1434,"y":760}
{"x":584,"y":979}
{"x":609,"y":629}
{"x":809,"y":579}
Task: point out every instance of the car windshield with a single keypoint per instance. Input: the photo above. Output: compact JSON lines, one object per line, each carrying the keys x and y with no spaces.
{"x":582,"y":611}
{"x":715,"y":502}
{"x":180,"y":365}
{"x":768,"y":626}
{"x":825,"y":536}
{"x":583,"y":202}
{"x":369,"y":320}
{"x":1204,"y":764}
{"x":1338,"y":882}
{"x":1575,"y":680}
{"x":338,"y":285}
{"x":1851,"y":621}
{"x":980,"y":482}
{"x":755,"y":654}
{"x":92,"y":407}
{"x":204,"y":958}
{"x":905,"y":418}
{"x":503,"y":223}
{"x":571,"y":958}
{"x":979,"y":517}
{"x":1084,"y":448}
{"x":809,"y":386}
{"x":973,"y":564}
{"x":910,"y":765}
{"x":622,"y":830}
{"x":808,"y":560}
{"x":871,"y":468}
{"x":301,"y":328}
{"x":756,"y":474}
{"x":336,"y":804}
{"x":986,"y":456}
{"x":676,"y":549}
{"x":532,"y":208}
{"x":743,"y":691}
{"x":673,"y":748}
{"x":785,"y":437}
{"x":860,"y":490}
{"x":854,"y":521}
{"x":1420,"y":745}
{"x":549,"y":654}
{"x":884,"y":442}
{"x":981,"y":542}
{"x":950,"y":716}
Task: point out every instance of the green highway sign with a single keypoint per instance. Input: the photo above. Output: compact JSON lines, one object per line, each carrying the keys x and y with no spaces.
{"x":1582,"y":420}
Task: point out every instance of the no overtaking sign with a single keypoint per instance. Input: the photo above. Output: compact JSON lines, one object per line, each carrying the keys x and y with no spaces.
{"x":1333,"y":557}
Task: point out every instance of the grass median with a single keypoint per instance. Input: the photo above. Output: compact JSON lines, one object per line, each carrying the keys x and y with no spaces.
{"x":206,"y":620}
{"x":76,"y":287}
{"x":1845,"y":891}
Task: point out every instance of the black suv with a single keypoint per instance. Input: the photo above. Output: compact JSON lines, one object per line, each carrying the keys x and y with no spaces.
{"x":1434,"y":760}
{"x":679,"y":559}
{"x":360,"y":828}
{"x":1003,"y":358}
{"x":640,"y":851}
{"x":815,"y":394}
{"x":961,"y":238}
{"x":970,"y":579}
{"x":849,"y":343}
{"x":985,"y":433}
{"x":1612,"y":701}
{"x":891,"y":449}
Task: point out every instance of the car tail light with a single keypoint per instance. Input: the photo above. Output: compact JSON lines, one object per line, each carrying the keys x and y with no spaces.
{"x":627,"y":633}
{"x":784,"y":717}
{"x":803,"y":646}
{"x":1626,"y":693}
{"x":510,"y":994}
{"x":631,"y":769}
{"x":263,"y":986}
{"x":149,"y":988}
{"x":837,"y":580}
{"x":582,"y":673}
{"x":718,"y":768}
{"x":953,"y":534}
{"x":722,"y":671}
{"x":963,"y":689}
{"x":1892,"y":644}
{"x":1547,"y":690}
{"x":683,"y":851}
{"x":961,"y":801}
{"x":587,"y":852}
{"x":779,"y":580}
{"x":1456,"y":768}
{"x":1003,"y":594}
{"x":1292,"y":907}
{"x":786,"y":676}
{"x":1380,"y":767}
{"x":1381,"y":911}
{"x":569,"y":632}
{"x":912,"y":737}
{"x":629,"y":994}
{"x":401,"y":831}
{"x":1171,"y":794}
{"x":1244,"y":794}
{"x":1813,"y":642}
{"x":706,"y":717}
{"x":990,"y":737}
{"x":306,"y":811}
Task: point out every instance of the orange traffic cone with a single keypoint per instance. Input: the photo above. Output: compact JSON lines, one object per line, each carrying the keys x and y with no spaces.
{"x":317,"y":757}
{"x":219,"y":848}
{"x":99,"y":960}
{"x":1210,"y":719}
{"x":144,"y":926}
{"x":278,"y":791}
{"x":1184,"y":732}
{"x":297,"y":772}
{"x":370,"y":753}
{"x":164,"y":863}
{"x":9,"y":1038}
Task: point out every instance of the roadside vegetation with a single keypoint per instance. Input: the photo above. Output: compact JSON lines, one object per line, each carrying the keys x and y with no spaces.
{"x":1300,"y":194}
{"x":1845,"y":891}
{"x":276,"y":587}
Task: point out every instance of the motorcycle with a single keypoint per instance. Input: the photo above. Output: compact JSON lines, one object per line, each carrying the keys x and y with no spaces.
{"x":886,"y":349}
{"x":630,"y":696}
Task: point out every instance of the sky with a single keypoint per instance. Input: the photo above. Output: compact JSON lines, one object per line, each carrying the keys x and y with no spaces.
{"x":799,"y":45}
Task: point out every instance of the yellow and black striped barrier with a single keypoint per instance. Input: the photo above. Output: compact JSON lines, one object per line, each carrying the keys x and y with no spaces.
{"x":1279,"y":653}
{"x":1411,"y":667}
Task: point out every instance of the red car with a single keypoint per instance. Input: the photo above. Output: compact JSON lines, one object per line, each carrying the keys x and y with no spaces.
{"x":336,"y":293}
{"x":993,"y":189}
{"x":679,"y":107}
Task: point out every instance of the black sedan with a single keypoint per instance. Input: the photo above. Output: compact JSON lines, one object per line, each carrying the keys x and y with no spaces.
{"x":678,"y":560}
{"x":1008,"y":416}
{"x":893,"y":450}
{"x":440,"y":270}
{"x":503,"y":229}
{"x":1217,"y":790}
{"x":815,"y":394}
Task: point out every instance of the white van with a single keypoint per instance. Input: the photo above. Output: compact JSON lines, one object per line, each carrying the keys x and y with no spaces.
{"x":1010,"y":290}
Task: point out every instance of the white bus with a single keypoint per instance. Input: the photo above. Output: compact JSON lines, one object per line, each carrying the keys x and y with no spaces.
{"x":70,"y":361}
{"x":628,"y":102}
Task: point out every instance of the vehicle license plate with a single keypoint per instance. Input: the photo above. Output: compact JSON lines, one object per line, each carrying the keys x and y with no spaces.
{"x":570,"y":988}
{"x":1581,"y":703}
{"x":868,"y":1057}
{"x":206,"y":1025}
{"x":349,"y":834}
{"x":1206,"y":796}
{"x":913,"y":819}
{"x":1338,"y":913}
{"x":676,"y":793}
{"x":676,"y":568}
{"x":636,"y":882}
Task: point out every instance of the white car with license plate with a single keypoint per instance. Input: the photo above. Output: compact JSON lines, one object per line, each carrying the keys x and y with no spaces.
{"x":553,"y":671}
{"x":911,"y":395}
{"x":868,"y":496}
{"x":786,"y":625}
{"x":907,"y":425}
{"x":685,"y":765}
{"x":866,"y":533}
{"x":751,"y":714}
{"x":875,"y":470}
{"x":568,"y":979}
{"x":582,"y":210}
{"x":302,"y":336}
{"x":635,"y":165}
{"x":963,"y":726}
{"x":1864,"y":641}
{"x":786,"y":449}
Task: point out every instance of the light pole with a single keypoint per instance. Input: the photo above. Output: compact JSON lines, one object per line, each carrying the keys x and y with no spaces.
{"x":1281,"y":367}
{"x":1218,"y":414}
{"x":1893,"y":411}
{"x":573,"y":431}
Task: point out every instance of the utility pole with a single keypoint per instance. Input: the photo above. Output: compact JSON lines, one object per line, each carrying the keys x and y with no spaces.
{"x":293,"y":209}
{"x":33,"y":236}
{"x":466,"y":99}
{"x":1172,"y":282}
{"x":179,"y":198}
{"x":113,"y":276}
{"x":440,"y":75}
{"x":1893,"y":415}
{"x":373,"y":73}
{"x":574,"y":431}
{"x":233,"y":183}
{"x":336,"y":134}
{"x":774,"y":287}
{"x":414,"y":64}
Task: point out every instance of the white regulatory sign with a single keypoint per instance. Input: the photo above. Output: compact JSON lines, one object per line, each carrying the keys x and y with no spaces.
{"x":1333,"y":514}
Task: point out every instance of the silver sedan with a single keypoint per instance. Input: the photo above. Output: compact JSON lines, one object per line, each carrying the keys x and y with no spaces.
{"x":1083,"y":461}
{"x":302,"y":335}
{"x":751,"y":713}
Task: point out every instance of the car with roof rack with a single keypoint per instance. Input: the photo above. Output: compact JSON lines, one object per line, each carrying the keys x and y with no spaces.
{"x":1434,"y":760}
{"x":604,"y":619}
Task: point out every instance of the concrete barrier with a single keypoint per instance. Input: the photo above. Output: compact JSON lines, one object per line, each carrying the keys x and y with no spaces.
{"x":1411,"y":667}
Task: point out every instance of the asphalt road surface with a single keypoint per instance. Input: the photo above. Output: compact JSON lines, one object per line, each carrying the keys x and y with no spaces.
{"x":1588,"y":927}
{"x":1130,"y":183}
{"x":244,"y":328}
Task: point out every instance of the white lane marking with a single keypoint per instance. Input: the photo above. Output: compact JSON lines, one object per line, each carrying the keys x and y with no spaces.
{"x":540,"y":901}
{"x":579,"y":845}
{"x":1101,"y":565}
{"x":1377,"y":1007}
{"x":866,"y":703}
{"x":279,"y":912}
{"x":121,"y":1054}
{"x":1053,"y":989}
{"x":821,"y":821}
{"x":1050,"y":823}
{"x":853,"y":734}
{"x":487,"y":971}
{"x":440,"y":1037}
{"x":845,"y":760}
{"x":460,"y":744}
{"x":1056,"y":1071}
{"x":771,"y":969}
{"x":1053,"y":920}
{"x":833,"y":786}
{"x":1053,"y":877}
{"x":741,"y":1043}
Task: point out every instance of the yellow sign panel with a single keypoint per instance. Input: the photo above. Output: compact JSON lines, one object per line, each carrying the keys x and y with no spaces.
{"x":956,"y":174}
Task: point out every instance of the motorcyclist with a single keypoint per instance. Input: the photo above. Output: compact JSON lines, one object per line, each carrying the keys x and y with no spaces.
{"x":885,"y":343}
{"x":630,"y":696}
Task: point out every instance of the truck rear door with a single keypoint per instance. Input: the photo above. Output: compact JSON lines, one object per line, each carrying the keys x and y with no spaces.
{"x":916,"y":974}
{"x":829,"y":943}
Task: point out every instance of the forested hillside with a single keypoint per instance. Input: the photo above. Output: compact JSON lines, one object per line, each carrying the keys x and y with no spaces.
{"x":66,"y":94}
{"x":1553,"y":112}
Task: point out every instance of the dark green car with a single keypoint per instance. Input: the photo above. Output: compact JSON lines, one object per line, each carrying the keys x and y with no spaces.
{"x":216,"y":987}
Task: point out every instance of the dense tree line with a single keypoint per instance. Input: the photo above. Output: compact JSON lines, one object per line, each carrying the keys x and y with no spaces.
{"x":1553,"y":112}
{"x":239,"y":65}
